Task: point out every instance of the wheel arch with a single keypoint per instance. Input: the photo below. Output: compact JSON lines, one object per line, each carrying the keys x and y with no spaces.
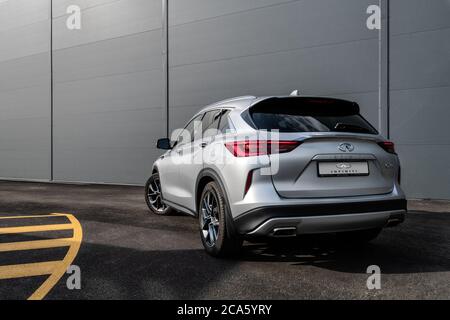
{"x":205,"y":176}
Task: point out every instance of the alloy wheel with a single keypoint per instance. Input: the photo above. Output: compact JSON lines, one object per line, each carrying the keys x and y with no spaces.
{"x":209,"y":221}
{"x":154,"y":196}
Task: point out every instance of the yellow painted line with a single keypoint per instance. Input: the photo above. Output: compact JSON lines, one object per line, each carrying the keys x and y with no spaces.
{"x":62,"y":267}
{"x":48,"y":227}
{"x":34,"y":216}
{"x":37,"y":244}
{"x":28,"y":269}
{"x":55,"y":269}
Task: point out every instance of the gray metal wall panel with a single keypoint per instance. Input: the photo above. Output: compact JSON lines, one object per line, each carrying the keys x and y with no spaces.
{"x":113,"y":19}
{"x":196,"y":10}
{"x":420,"y":60}
{"x":278,"y":73}
{"x":319,"y":47}
{"x":108,"y":92}
{"x":30,"y":71}
{"x":25,"y":89}
{"x":420,"y":83}
{"x":25,"y":41}
{"x":60,"y":6}
{"x":284,"y":27}
{"x":135,"y":53}
{"x":19,"y":13}
{"x":409,"y":16}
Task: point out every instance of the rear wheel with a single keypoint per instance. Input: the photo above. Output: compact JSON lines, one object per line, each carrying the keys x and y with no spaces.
{"x":153,"y":196}
{"x":359,"y":237}
{"x":216,"y":228}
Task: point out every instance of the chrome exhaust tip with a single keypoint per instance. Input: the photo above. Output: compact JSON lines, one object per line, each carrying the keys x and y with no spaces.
{"x":393,"y":222}
{"x":284,"y":232}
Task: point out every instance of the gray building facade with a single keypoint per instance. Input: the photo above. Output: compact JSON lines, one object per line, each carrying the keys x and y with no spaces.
{"x":88,"y":105}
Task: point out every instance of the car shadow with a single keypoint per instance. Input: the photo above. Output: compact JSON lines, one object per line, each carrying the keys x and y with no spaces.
{"x":324,"y":251}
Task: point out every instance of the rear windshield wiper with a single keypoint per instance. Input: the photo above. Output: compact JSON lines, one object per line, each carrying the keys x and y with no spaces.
{"x":345,"y":127}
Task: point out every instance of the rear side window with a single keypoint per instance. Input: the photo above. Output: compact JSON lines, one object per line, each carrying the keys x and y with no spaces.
{"x":224,"y":122}
{"x":301,"y":114}
{"x":210,"y":123}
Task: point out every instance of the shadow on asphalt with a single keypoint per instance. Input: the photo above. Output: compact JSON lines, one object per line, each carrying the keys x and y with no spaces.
{"x":324,"y":252}
{"x":192,"y":274}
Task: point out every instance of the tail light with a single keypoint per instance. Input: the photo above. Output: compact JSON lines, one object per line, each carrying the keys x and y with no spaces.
{"x":253,"y":148}
{"x":388,"y":146}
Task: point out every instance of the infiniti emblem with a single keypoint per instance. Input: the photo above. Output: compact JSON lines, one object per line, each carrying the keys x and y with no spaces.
{"x":343,"y":165}
{"x":346,"y":147}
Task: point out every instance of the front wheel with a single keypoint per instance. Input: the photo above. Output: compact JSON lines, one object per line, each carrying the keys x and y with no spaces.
{"x":216,"y":229}
{"x":153,"y":196}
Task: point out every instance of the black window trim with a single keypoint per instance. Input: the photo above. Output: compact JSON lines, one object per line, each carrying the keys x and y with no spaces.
{"x":221,"y":117}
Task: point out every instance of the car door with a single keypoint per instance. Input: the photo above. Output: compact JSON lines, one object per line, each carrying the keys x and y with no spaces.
{"x":192,"y":157}
{"x":175,"y":161}
{"x":189,"y":164}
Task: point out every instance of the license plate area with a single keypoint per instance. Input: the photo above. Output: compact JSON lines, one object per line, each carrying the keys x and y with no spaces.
{"x":343,"y":169}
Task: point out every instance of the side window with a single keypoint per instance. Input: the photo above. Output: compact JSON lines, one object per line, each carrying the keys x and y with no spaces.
{"x":224,"y":122}
{"x":197,"y":128}
{"x":190,"y":131}
{"x":210,"y":123}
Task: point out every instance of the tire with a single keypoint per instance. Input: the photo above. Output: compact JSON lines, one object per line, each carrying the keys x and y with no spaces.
{"x":153,"y":196}
{"x":360,"y":237}
{"x":217,"y":232}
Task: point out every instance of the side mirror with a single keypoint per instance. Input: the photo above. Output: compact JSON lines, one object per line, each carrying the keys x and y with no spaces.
{"x":164,"y":144}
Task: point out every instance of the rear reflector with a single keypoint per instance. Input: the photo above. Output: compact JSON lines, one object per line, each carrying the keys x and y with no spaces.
{"x":388,"y":146}
{"x":248,"y":183}
{"x":252,"y":148}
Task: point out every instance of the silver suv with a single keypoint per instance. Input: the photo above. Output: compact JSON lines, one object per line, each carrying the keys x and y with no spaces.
{"x":278,"y":167}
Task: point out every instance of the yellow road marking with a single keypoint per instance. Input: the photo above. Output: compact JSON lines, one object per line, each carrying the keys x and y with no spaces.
{"x":61,"y":269}
{"x":34,"y":216}
{"x":37,"y":244}
{"x":28,"y":269}
{"x":49,"y":227}
{"x":55,"y":269}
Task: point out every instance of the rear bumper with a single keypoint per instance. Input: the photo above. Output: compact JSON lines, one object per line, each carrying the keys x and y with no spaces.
{"x":321,"y":218}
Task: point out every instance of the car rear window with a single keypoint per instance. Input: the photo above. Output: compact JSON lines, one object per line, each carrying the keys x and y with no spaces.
{"x":299,"y":114}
